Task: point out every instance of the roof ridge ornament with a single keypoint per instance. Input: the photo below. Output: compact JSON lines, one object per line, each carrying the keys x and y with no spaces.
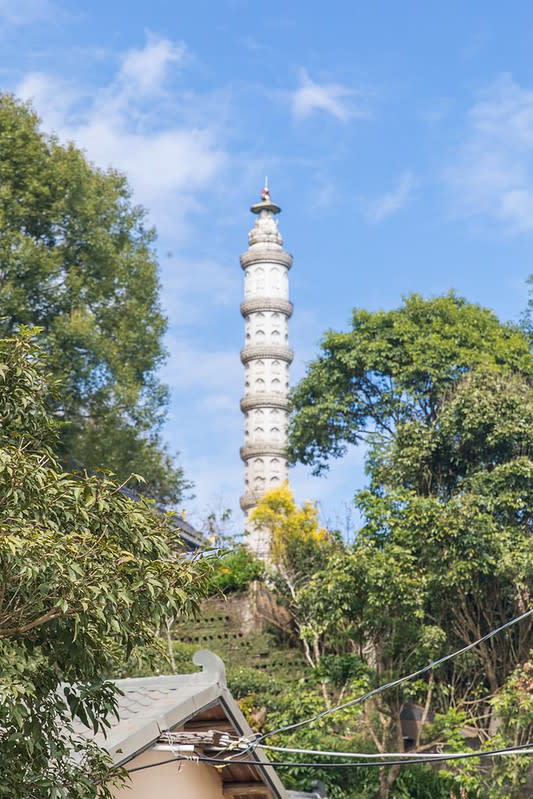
{"x":213,"y":667}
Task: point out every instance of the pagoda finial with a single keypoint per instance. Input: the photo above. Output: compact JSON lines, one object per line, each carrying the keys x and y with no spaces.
{"x":265,"y":194}
{"x":265,"y":203}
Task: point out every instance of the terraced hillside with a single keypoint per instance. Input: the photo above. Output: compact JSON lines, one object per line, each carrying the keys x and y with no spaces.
{"x":260,"y":661}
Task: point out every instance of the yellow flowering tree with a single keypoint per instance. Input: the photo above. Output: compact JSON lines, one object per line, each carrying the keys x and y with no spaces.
{"x":299,"y":547}
{"x":289,"y":526}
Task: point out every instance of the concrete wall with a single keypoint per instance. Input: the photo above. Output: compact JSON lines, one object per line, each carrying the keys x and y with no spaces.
{"x":185,"y":780}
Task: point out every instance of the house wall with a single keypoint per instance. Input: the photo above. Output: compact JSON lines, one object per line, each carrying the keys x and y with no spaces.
{"x":186,"y":780}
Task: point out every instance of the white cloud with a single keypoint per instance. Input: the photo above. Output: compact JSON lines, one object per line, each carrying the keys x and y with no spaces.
{"x":219,"y":481}
{"x":331,"y":98}
{"x":53,"y":99}
{"x":145,"y":69}
{"x":492,"y":177}
{"x":127,"y":124}
{"x":393,"y":200}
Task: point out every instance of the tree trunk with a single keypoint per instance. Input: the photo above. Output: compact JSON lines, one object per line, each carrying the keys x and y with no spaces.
{"x":387,"y":777}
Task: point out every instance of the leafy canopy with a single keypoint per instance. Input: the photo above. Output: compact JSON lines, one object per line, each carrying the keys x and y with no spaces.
{"x":87,"y":575}
{"x":441,"y":391}
{"x":77,"y":261}
{"x":394,"y":366}
{"x":236,"y":569}
{"x":443,"y":557}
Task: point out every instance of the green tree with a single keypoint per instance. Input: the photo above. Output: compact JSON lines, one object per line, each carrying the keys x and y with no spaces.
{"x":438,"y":563}
{"x":87,"y":576}
{"x":512,"y":778}
{"x":236,"y":569}
{"x":457,"y":494}
{"x":77,"y":261}
{"x":394,"y":366}
{"x":441,"y":391}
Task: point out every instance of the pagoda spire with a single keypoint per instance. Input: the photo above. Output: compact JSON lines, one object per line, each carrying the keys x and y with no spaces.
{"x":266,"y":358}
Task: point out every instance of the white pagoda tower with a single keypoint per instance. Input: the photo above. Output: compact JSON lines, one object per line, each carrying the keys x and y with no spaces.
{"x":266,"y":358}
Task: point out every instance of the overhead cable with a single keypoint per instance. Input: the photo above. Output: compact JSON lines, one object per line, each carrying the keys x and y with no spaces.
{"x":524,"y":749}
{"x":392,"y":684}
{"x":363,"y":755}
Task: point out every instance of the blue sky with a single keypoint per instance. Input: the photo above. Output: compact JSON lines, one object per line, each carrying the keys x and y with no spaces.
{"x":398,"y":139}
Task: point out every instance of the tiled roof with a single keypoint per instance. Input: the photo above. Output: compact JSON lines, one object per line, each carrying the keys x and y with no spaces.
{"x":150,"y":705}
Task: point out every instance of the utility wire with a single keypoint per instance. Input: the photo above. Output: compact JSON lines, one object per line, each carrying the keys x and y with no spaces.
{"x":360,"y":699}
{"x":524,"y":749}
{"x":240,"y":748}
{"x":365,"y":755}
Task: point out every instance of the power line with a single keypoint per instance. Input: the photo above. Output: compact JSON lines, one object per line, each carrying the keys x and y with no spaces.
{"x":524,"y":749}
{"x":240,"y":749}
{"x":366,"y":755}
{"x":360,"y":699}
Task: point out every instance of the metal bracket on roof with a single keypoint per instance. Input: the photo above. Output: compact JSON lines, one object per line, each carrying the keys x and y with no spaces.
{"x":212,"y":666}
